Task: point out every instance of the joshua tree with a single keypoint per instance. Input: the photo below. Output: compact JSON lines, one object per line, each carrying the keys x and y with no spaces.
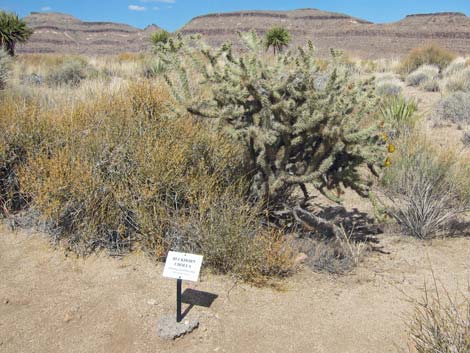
{"x":278,"y":38}
{"x":159,"y":37}
{"x":12,"y":30}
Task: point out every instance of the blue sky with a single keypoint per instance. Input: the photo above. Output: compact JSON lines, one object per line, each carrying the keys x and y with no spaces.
{"x":172,"y":14}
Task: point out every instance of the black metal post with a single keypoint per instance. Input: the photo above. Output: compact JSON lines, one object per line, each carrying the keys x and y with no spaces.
{"x":179,"y":283}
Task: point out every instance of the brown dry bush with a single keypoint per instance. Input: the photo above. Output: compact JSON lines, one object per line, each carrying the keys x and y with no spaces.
{"x":122,"y":171}
{"x":426,"y":55}
{"x":440,"y":323}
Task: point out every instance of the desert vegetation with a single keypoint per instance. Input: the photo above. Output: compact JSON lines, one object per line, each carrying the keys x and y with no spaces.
{"x":237,"y":155}
{"x":222,"y":153}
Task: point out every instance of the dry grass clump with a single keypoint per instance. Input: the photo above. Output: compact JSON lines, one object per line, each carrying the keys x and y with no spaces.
{"x":428,"y":188}
{"x":440,"y":323}
{"x":336,"y":256}
{"x":120,"y":170}
{"x":427,"y":55}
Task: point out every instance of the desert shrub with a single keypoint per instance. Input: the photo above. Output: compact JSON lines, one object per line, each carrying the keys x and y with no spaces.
{"x":456,"y":66}
{"x":432,"y":85}
{"x":459,"y":81}
{"x":422,"y":75}
{"x":454,"y":108}
{"x":466,"y":139}
{"x":291,"y":132}
{"x":23,"y":132}
{"x":427,"y":188}
{"x":389,"y":87}
{"x":149,"y":98}
{"x":440,"y":323}
{"x":398,"y":115}
{"x":120,"y":171}
{"x":5,"y":63}
{"x":71,"y":73}
{"x":427,"y":55}
{"x":32,"y":79}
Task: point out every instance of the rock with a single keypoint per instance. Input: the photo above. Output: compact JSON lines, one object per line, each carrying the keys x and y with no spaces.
{"x":67,"y":318}
{"x":300,"y":259}
{"x":169,"y":329}
{"x":6,"y":301}
{"x":152,"y":302}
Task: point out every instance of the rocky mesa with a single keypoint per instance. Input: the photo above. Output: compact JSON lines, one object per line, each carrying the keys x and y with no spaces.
{"x":59,"y":33}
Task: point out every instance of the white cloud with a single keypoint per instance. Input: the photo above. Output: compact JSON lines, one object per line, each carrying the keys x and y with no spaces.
{"x":46,"y":8}
{"x":163,"y":1}
{"x":137,"y":8}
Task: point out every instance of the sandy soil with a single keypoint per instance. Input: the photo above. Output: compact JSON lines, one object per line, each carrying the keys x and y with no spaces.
{"x":53,"y":303}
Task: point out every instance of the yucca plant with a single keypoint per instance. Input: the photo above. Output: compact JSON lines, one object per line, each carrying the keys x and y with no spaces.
{"x":13,"y":30}
{"x":278,"y":38}
{"x":158,"y":37}
{"x":399,"y":115}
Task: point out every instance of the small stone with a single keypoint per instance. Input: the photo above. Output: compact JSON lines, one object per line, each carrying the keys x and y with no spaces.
{"x":6,"y":301}
{"x":152,"y":302}
{"x":300,"y":259}
{"x":169,"y":329}
{"x":217,"y":349}
{"x":67,"y":318}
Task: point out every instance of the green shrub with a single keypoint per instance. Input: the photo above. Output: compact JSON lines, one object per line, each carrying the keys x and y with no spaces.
{"x":454,"y":108}
{"x":5,"y":63}
{"x":428,"y":55}
{"x":422,"y":75}
{"x":71,"y":72}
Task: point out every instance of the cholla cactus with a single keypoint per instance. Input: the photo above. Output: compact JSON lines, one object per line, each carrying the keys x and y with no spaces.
{"x":296,"y":133}
{"x":5,"y":63}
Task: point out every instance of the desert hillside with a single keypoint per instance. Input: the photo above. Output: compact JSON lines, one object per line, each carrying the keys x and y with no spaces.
{"x":333,"y":30}
{"x":61,"y":33}
{"x":65,"y":34}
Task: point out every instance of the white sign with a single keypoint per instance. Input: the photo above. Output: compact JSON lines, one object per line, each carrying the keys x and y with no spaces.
{"x":179,"y":265}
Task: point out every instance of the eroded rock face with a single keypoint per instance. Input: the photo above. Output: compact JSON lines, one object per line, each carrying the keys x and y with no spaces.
{"x":60,"y":33}
{"x":332,"y":30}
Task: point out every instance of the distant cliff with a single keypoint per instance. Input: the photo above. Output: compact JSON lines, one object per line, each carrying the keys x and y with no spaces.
{"x":61,"y":33}
{"x":66,"y":34}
